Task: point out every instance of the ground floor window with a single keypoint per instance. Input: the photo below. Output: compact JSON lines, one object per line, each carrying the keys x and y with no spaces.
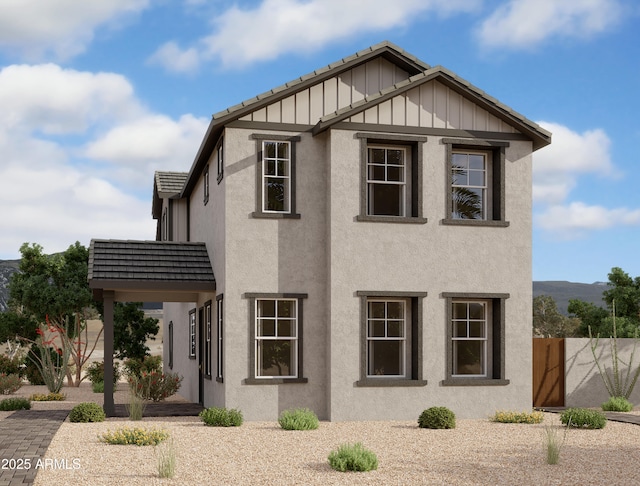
{"x":276,"y":331}
{"x":207,"y":339}
{"x":475,"y":331}
{"x":192,"y":334}
{"x":220,"y":322}
{"x":391,"y":324}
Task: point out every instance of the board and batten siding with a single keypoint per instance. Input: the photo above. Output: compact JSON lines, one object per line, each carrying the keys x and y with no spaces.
{"x":430,"y":105}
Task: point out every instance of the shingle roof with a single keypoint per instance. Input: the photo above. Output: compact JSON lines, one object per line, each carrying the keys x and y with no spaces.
{"x":151,"y":262}
{"x":170,"y":183}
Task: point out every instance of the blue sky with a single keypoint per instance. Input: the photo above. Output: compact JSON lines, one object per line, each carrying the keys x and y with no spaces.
{"x":96,"y":96}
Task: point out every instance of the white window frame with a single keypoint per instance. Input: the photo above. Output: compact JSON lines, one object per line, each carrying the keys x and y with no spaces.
{"x":485,"y":188}
{"x":486,"y":338}
{"x":220,"y":329}
{"x":207,"y":344}
{"x":193,"y":344}
{"x":286,"y":177}
{"x":404,"y":340}
{"x":293,"y":367}
{"x":405,"y":183}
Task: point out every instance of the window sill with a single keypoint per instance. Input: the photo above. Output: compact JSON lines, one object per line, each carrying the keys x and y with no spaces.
{"x":389,"y":382}
{"x":274,"y":381}
{"x":475,"y":222}
{"x":219,"y":380}
{"x":192,"y":357}
{"x":473,"y":382}
{"x":391,"y":219}
{"x":259,"y":215}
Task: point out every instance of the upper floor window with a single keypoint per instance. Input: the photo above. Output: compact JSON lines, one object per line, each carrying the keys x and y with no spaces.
{"x":391,"y":178}
{"x":205,"y":182}
{"x":476,"y":192}
{"x":276,"y":177}
{"x":165,"y":225}
{"x":220,"y":157}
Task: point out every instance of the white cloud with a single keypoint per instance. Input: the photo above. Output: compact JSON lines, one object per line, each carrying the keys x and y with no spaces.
{"x":526,"y":23}
{"x":61,"y":27}
{"x":577,"y":218}
{"x":275,"y":27}
{"x":174,"y":59}
{"x":557,"y":167}
{"x":73,"y":162}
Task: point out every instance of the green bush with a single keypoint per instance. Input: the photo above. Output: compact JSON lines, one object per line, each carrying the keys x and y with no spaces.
{"x":583,"y":418}
{"x":353,"y":458}
{"x":48,"y":397}
{"x":156,"y":386}
{"x":9,"y":383}
{"x":98,"y":387}
{"x":10,"y":366}
{"x":134,"y":367}
{"x":95,"y":372}
{"x":507,"y":417}
{"x":32,"y":372}
{"x":437,"y":418}
{"x":87,"y":412}
{"x":298,"y":419}
{"x":134,"y":436}
{"x":221,"y":417}
{"x":14,"y":403}
{"x":617,"y":404}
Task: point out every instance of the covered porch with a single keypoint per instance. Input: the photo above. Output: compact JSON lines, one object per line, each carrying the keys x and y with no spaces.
{"x":144,"y":271}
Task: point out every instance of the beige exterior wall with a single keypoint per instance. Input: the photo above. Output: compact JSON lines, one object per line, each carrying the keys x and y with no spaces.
{"x":583,"y":384}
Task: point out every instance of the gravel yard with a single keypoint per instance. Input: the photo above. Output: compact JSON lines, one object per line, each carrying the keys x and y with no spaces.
{"x":475,"y":452}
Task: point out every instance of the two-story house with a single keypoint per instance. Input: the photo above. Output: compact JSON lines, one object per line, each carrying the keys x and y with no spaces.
{"x":356,"y":241}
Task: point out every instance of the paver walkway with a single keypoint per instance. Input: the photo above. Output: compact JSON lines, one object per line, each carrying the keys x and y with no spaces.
{"x":24,"y":438}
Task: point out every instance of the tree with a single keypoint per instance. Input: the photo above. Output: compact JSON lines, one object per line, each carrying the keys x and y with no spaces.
{"x":625,"y":292}
{"x":53,"y":289}
{"x":14,"y":325}
{"x":131,"y":330}
{"x":548,"y":322}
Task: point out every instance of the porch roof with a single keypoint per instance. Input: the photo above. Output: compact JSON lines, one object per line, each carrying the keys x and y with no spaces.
{"x":150,"y":271}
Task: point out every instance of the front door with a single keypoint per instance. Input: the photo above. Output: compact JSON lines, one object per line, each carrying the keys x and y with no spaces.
{"x":548,"y":372}
{"x":201,"y":344}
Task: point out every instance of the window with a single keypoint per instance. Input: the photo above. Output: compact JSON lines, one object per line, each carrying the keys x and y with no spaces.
{"x":476,"y":182}
{"x":475,"y":339}
{"x":170,"y":345}
{"x":220,"y":153}
{"x":276,"y":177}
{"x":206,"y":184}
{"x":276,"y":331}
{"x":220,"y":317}
{"x":391,"y":338}
{"x":207,"y":341}
{"x":165,"y":225}
{"x":192,"y":334}
{"x":391,"y":178}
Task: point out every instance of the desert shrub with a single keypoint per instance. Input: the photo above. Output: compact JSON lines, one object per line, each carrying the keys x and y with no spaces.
{"x":156,"y":386}
{"x":166,"y":454}
{"x":583,"y":418}
{"x":48,"y":397}
{"x":14,"y":403}
{"x":507,"y":417}
{"x":9,"y":383}
{"x":87,"y":412}
{"x":95,"y":372}
{"x":134,"y":367}
{"x":97,"y":387}
{"x":617,"y":404}
{"x":298,"y":419}
{"x":353,"y":458}
{"x":437,"y":418}
{"x":134,"y":436}
{"x":11,"y":366}
{"x":221,"y":417}
{"x":31,"y":370}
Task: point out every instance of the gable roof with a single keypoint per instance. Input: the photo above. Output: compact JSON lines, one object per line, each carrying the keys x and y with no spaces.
{"x":166,"y":185}
{"x":177,"y":270}
{"x":539,"y":135}
{"x":419,"y":72}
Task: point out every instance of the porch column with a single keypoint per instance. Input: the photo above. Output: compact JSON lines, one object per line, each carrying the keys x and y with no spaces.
{"x":108,"y":299}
